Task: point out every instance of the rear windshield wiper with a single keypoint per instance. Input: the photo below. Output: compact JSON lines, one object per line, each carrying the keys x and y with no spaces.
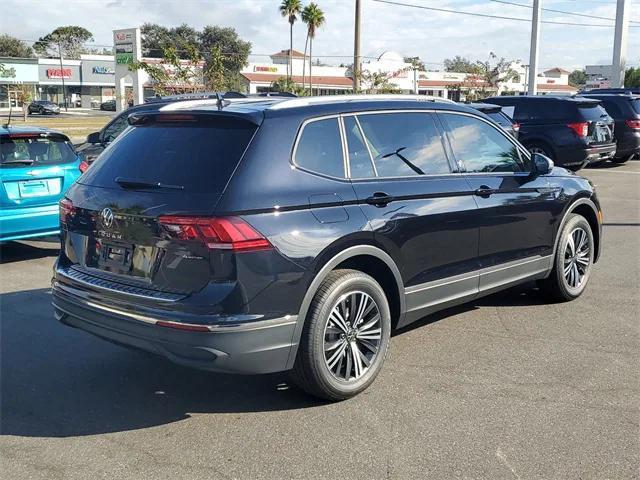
{"x":132,"y":183}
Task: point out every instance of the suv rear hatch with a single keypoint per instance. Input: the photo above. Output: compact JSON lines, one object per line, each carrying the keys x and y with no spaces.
{"x":124,"y":221}
{"x":600,"y":125}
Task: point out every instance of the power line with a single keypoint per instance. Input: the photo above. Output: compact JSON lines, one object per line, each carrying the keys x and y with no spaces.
{"x":486,"y":15}
{"x":575,"y":14}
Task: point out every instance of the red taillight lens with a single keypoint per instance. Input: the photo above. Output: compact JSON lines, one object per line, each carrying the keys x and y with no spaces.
{"x":516,"y":127}
{"x":634,"y":124}
{"x":581,"y":128}
{"x":229,"y":233}
{"x":67,"y":210}
{"x":83,"y":166}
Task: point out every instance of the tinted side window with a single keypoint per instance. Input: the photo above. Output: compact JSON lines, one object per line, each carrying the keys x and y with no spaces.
{"x":319,"y":148}
{"x":115,"y":129}
{"x":481,"y":147}
{"x":359,"y":159}
{"x":404,"y":144}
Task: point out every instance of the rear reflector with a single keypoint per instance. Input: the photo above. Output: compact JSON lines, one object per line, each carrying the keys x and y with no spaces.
{"x":516,"y":127}
{"x":581,"y":128}
{"x":67,"y":210}
{"x":633,"y":124}
{"x":182,"y":326}
{"x":229,"y":233}
{"x":83,"y":166}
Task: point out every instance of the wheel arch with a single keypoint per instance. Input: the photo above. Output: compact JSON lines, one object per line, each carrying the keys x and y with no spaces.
{"x":368,"y":259}
{"x":587,"y":208}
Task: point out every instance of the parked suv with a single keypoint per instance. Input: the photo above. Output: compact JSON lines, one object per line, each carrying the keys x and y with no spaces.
{"x":495,"y":113}
{"x":572,"y":131}
{"x":625,"y":110}
{"x":296,"y":234}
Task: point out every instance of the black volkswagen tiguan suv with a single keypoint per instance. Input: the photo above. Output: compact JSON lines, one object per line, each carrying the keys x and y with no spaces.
{"x":276,"y":235}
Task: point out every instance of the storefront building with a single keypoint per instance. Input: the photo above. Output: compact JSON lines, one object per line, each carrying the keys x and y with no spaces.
{"x":15,"y":73}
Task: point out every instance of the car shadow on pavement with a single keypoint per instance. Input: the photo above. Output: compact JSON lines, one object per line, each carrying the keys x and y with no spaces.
{"x":57,"y":381}
{"x":17,"y":251}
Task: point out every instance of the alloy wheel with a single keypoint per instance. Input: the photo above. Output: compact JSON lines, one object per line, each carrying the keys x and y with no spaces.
{"x":352,"y":336}
{"x":577,"y":257}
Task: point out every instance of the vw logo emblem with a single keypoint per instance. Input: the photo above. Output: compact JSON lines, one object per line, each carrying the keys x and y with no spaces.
{"x":106,"y":217}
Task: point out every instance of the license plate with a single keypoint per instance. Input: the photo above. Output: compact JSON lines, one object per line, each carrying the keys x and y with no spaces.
{"x":116,"y":256}
{"x":33,"y":188}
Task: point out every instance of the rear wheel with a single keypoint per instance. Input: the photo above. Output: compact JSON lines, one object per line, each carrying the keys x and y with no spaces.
{"x":346,"y":336}
{"x":541,"y":148}
{"x":573,"y":261}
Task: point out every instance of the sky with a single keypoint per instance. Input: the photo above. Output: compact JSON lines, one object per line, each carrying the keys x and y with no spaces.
{"x":431,"y":35}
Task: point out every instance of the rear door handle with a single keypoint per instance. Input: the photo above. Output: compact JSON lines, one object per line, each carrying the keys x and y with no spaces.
{"x":379,"y":199}
{"x":484,"y":191}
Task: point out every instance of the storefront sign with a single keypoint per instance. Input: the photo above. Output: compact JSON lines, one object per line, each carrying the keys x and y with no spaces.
{"x":124,"y":53}
{"x":103,"y":70}
{"x":265,"y":69}
{"x":7,"y":72}
{"x":58,"y":73}
{"x":122,"y":37}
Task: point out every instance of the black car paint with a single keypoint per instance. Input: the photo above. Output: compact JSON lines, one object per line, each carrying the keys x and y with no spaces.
{"x":552,"y":132}
{"x":433,"y":228}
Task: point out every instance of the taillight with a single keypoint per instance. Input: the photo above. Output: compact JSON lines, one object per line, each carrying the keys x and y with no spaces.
{"x":633,"y":124}
{"x":581,"y":128}
{"x":83,"y":166}
{"x":67,"y":210}
{"x":228,"y":233}
{"x":516,"y":127}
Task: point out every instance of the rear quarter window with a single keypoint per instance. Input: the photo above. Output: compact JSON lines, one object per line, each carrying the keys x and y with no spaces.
{"x":319,"y":148}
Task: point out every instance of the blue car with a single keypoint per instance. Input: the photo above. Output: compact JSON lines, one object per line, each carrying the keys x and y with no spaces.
{"x":37,"y":166}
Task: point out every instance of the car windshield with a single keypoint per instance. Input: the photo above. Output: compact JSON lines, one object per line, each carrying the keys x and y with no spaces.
{"x":24,"y":150}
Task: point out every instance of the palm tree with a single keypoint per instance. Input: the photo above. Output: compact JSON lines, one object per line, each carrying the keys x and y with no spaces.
{"x":290,"y":9}
{"x":313,"y":16}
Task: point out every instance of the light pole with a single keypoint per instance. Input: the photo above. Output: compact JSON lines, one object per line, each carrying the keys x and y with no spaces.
{"x":356,"y":50}
{"x":620,"y":44}
{"x":64,"y":90}
{"x":533,"y":49}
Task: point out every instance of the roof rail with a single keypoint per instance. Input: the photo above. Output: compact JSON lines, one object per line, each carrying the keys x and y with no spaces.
{"x":306,"y":101}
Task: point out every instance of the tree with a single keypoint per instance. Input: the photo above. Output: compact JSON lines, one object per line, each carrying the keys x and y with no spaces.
{"x":156,"y":38}
{"x":290,"y":9}
{"x":313,"y":16}
{"x":64,"y":42}
{"x":284,"y":84}
{"x":24,"y":94}
{"x":578,"y":78}
{"x":460,"y":64}
{"x":493,"y":75}
{"x":416,"y":63}
{"x":235,"y":52}
{"x":632,"y":78}
{"x":175,"y":75}
{"x":12,"y":47}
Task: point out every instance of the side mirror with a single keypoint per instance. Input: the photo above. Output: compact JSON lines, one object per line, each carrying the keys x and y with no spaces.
{"x":540,"y":165}
{"x":94,"y":138}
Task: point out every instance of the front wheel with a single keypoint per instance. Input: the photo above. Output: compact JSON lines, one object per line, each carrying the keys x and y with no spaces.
{"x":346,"y":336}
{"x":573,"y":261}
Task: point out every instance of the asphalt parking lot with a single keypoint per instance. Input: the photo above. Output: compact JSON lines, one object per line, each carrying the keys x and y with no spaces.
{"x":505,"y":387}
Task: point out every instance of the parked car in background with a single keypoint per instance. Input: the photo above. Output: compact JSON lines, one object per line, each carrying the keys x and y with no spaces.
{"x":626,"y":91}
{"x":571,"y":131}
{"x":273,"y":235}
{"x":109,"y":105}
{"x":37,"y":166}
{"x":495,"y":113}
{"x":625,"y":110}
{"x":43,"y":107}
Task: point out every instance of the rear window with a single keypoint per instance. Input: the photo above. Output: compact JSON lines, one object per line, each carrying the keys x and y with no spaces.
{"x":200,"y":156}
{"x":34,"y":151}
{"x":635,"y":104}
{"x":500,"y":118}
{"x":592,"y":112}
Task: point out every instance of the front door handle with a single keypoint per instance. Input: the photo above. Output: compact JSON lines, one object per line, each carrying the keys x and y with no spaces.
{"x":484,"y":191}
{"x":379,"y":199}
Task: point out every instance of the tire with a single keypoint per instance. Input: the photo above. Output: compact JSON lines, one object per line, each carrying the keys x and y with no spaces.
{"x":597,"y":164}
{"x":542,"y":148}
{"x":620,"y":160}
{"x":325,"y":366}
{"x":565,"y":287}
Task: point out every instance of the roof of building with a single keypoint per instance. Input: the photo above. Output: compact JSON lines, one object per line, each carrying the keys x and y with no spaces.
{"x":285,"y":53}
{"x":557,"y":69}
{"x":316,"y":80}
{"x":556,"y":87}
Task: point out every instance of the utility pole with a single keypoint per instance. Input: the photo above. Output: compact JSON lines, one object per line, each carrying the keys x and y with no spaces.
{"x":533,"y":49}
{"x":620,"y":44}
{"x":64,"y":90}
{"x":356,"y":50}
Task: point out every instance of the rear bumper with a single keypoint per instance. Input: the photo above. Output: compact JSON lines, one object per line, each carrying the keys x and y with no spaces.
{"x":29,"y":222}
{"x":261,"y":346}
{"x":600,"y":153}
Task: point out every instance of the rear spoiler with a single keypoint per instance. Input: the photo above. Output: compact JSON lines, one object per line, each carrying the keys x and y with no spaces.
{"x":57,"y":135}
{"x":192,"y":116}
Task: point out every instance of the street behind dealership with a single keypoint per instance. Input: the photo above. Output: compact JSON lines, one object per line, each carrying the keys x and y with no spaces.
{"x":505,"y":387}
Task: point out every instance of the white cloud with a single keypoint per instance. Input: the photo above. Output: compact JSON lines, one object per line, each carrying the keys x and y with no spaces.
{"x":431,"y":35}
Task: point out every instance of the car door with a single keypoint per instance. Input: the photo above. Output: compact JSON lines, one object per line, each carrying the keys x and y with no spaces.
{"x":517,"y":209}
{"x":419,"y":210}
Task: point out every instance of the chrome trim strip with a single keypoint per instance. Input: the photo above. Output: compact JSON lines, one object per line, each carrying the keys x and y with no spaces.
{"x":217,"y":328}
